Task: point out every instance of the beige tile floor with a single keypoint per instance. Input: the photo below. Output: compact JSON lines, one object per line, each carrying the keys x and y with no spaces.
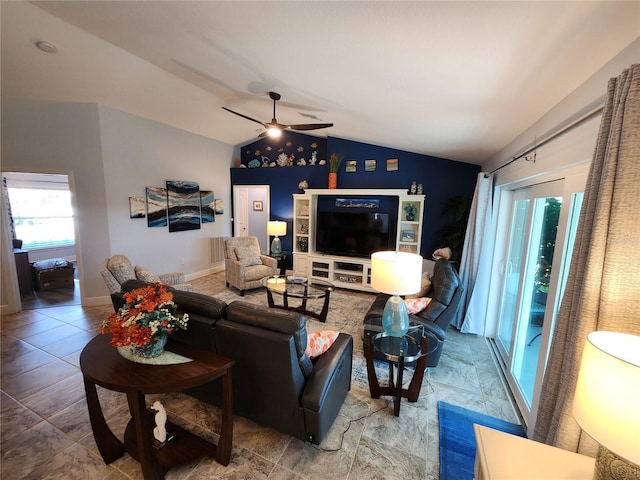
{"x":45,"y":430}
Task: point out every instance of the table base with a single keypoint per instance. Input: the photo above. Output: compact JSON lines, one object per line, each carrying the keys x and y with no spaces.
{"x":322,"y":316}
{"x":394,"y":388}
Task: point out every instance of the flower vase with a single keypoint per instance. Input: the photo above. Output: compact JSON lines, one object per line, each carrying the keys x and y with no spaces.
{"x":154,"y":349}
{"x":333,"y":180}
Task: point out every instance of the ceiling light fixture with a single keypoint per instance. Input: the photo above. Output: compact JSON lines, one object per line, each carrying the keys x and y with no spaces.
{"x":46,"y":47}
{"x":274,"y":132}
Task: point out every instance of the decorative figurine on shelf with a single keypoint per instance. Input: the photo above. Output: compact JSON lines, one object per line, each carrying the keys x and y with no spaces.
{"x":160,"y":431}
{"x":303,"y":185}
{"x":419,"y":191}
{"x":413,"y":188}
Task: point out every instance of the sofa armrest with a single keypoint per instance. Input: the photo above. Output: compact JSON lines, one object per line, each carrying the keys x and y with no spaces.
{"x":327,"y":373}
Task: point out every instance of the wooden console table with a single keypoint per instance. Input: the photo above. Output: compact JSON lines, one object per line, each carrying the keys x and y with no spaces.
{"x":101,"y":364}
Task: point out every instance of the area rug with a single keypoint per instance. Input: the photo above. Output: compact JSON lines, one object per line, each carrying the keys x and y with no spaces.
{"x":457,"y":439}
{"x":346,"y":313}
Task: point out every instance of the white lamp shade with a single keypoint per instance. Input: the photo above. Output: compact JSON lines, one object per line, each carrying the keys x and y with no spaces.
{"x":396,"y":273}
{"x":607,"y":400}
{"x":276,"y":228}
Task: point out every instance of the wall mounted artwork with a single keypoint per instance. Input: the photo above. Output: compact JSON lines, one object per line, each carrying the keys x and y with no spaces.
{"x":183,"y":201}
{"x":156,"y":206}
{"x":219,"y":206}
{"x":207,"y":204}
{"x":136,"y":207}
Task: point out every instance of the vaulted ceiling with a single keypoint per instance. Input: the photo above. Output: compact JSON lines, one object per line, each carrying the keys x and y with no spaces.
{"x":458,"y":79}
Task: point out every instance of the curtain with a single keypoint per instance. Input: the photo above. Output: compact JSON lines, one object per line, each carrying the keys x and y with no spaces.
{"x":603,"y":285}
{"x":475,"y":264}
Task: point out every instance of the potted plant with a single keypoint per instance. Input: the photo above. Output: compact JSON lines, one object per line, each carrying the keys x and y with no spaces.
{"x":334,"y":164}
{"x":144,"y":322}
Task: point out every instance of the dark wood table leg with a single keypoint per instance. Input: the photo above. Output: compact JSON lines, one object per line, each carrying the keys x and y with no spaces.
{"x":223,"y":450}
{"x":374,"y":386}
{"x":416,"y":382}
{"x":108,"y":444}
{"x":151,"y":470}
{"x":398,"y":396}
{"x":325,"y":307}
{"x":270,"y":299}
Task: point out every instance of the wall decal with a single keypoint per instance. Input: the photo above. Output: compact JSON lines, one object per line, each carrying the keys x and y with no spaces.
{"x":136,"y":207}
{"x":156,"y":206}
{"x":183,"y":200}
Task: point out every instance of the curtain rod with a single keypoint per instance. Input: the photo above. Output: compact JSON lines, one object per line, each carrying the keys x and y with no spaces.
{"x":550,"y":138}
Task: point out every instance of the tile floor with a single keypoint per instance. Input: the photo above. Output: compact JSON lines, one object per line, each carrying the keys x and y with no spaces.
{"x":45,"y":431}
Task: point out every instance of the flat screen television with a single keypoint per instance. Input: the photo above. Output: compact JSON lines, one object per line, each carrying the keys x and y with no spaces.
{"x":354,"y":234}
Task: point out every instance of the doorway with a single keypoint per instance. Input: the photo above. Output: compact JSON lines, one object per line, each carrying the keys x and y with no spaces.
{"x":251,"y":212}
{"x":41,"y":227}
{"x":541,"y":227}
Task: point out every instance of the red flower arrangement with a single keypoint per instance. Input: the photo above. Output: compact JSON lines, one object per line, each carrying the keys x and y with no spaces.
{"x":148,"y":314}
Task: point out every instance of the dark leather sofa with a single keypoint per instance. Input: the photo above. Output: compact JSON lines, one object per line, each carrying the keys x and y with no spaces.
{"x":274,"y":382}
{"x":446,"y":294}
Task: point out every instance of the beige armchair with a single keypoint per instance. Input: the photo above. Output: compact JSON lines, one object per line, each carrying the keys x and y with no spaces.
{"x":244,"y":265}
{"x":118,"y":269}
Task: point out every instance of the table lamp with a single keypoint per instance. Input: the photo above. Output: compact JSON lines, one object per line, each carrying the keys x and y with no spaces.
{"x":607,"y":402}
{"x":396,"y":273}
{"x":277,"y":229}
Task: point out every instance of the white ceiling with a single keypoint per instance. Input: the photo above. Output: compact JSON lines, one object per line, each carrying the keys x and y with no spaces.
{"x":458,"y":80}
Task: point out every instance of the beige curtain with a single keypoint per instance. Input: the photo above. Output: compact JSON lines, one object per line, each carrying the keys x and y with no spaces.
{"x":603,"y":286}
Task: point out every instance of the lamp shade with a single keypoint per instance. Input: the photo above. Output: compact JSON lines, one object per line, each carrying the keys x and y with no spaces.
{"x":396,"y":273}
{"x":607,"y":400}
{"x":276,"y":228}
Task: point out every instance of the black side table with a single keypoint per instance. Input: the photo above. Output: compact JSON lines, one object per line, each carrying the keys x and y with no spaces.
{"x":282,"y":261}
{"x":412,"y":347}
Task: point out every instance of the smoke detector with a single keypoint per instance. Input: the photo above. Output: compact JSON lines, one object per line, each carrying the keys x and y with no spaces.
{"x":46,"y":47}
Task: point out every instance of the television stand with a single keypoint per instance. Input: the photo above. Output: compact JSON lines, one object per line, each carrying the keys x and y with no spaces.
{"x":343,"y":272}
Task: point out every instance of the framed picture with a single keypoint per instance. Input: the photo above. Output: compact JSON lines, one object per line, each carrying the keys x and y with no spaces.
{"x":408,"y":236}
{"x":257,"y":205}
{"x":392,"y":164}
{"x":351,"y":166}
{"x":137,"y":207}
{"x":369,"y":165}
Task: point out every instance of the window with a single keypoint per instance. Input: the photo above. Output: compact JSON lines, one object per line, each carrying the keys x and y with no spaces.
{"x":42,"y":214}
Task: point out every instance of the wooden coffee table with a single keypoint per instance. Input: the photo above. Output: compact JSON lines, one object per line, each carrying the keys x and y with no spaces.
{"x":101,"y":364}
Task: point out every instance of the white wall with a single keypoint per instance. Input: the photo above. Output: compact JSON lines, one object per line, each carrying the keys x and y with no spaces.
{"x":109,"y":156}
{"x":575,"y":147}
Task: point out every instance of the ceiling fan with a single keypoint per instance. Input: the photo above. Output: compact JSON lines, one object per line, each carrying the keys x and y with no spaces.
{"x":274,"y":129}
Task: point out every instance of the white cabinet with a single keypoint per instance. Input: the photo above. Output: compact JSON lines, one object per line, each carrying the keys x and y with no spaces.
{"x":349,"y":272}
{"x":410,"y":212}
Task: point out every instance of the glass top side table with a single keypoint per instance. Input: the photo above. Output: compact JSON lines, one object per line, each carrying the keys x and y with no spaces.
{"x":398,"y":351}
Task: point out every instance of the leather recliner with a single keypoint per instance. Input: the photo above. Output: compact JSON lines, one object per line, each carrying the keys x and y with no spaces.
{"x":446,"y":297}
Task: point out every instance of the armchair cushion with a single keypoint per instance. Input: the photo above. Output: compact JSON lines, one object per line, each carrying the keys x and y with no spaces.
{"x":121,"y":268}
{"x":146,"y":275}
{"x":247,"y":256}
{"x":320,"y":342}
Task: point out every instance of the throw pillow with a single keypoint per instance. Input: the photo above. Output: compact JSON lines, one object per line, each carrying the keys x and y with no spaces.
{"x":320,"y":342}
{"x":416,"y":305}
{"x":425,"y":286}
{"x":145,"y":275}
{"x":247,"y":256}
{"x":121,"y":271}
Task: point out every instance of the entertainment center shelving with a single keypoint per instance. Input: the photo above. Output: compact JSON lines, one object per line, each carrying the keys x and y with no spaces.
{"x":346,"y":271}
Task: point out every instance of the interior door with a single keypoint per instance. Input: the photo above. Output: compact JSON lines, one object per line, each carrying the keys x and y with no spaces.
{"x":251,"y":212}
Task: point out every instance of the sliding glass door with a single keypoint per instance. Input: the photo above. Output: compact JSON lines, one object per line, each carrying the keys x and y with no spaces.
{"x":538,"y":243}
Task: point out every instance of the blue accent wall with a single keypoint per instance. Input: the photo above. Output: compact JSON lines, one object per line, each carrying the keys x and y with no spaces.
{"x":441,"y":179}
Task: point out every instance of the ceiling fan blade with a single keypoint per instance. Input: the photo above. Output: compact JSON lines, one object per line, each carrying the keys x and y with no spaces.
{"x":244,"y":116}
{"x":310,"y":126}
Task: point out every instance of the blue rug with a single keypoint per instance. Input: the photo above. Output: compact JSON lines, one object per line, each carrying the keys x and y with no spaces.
{"x":458,"y":442}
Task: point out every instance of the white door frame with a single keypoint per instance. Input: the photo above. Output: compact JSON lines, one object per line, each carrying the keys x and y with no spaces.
{"x":246,"y":219}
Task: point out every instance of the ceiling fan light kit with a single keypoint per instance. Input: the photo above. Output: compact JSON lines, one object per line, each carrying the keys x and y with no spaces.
{"x":273,"y":128}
